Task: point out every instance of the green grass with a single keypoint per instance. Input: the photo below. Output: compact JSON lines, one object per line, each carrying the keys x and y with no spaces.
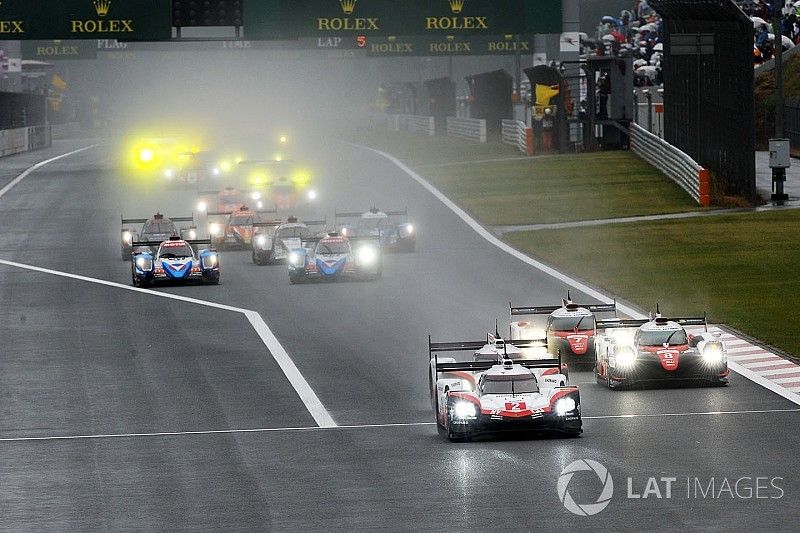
{"x":741,"y":269}
{"x":556,"y":188}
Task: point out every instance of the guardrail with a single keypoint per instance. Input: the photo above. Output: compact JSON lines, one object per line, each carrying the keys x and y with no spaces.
{"x":17,"y":140}
{"x":676,"y":164}
{"x":517,"y":133}
{"x":469,"y":128}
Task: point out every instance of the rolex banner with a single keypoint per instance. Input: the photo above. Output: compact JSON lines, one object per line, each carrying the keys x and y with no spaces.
{"x":312,"y":18}
{"x":448,"y":45}
{"x":86,"y":19}
{"x":59,"y":50}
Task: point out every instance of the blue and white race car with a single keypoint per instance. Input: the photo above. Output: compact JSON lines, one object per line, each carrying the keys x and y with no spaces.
{"x":334,"y":258}
{"x":174,"y":261}
{"x":391,"y":228}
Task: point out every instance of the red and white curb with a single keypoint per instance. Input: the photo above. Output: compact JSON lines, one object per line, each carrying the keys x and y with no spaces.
{"x":744,"y":357}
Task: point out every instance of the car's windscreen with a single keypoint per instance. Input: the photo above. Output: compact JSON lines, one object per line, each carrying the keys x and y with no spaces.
{"x":171,"y":252}
{"x":658,"y":338}
{"x":518,"y":385}
{"x":161,"y":227}
{"x":569,"y":323}
{"x":298,"y":231}
{"x":242,"y":220}
{"x":332,"y":248}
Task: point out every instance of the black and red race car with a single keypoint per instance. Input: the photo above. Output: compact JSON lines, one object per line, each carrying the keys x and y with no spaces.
{"x":569,"y":329}
{"x":658,"y":349}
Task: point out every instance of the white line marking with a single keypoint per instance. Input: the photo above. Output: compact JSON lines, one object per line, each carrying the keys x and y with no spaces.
{"x":40,"y":164}
{"x":301,"y":386}
{"x":354,"y":426}
{"x":307,"y":394}
{"x":695,"y":413}
{"x":764,"y":382}
{"x":489,"y":236}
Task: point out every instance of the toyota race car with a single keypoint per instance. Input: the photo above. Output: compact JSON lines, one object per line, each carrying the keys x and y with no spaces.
{"x":570,"y":328}
{"x":155,"y":230}
{"x":495,"y":393}
{"x":223,"y":201}
{"x":392,"y":228}
{"x":657,"y":349}
{"x":174,"y":260}
{"x":272,"y":241}
{"x":335,"y":257}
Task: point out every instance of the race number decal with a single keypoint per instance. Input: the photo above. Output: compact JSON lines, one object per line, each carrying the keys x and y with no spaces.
{"x":515,"y":406}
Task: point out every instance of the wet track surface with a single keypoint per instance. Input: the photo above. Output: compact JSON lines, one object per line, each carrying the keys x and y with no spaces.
{"x":103,"y":363}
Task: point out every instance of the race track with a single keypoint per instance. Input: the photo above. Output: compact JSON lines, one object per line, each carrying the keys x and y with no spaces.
{"x":122,"y":409}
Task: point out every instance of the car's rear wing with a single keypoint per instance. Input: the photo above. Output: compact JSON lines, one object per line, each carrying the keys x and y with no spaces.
{"x":124,"y":221}
{"x":358,"y":214}
{"x":689,"y":320}
{"x":547,"y":309}
{"x":156,"y":244}
{"x":434,"y":348}
{"x":460,"y":346}
{"x":267,"y":224}
{"x":478,"y":366}
{"x":218,"y":213}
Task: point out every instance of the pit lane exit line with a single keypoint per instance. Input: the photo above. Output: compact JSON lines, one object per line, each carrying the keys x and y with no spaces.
{"x":350,"y":426}
{"x":40,"y":164}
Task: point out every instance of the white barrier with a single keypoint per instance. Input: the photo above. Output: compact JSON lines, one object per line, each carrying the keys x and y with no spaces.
{"x":674,"y":163}
{"x":517,"y":133}
{"x":421,"y":124}
{"x":18,"y":140}
{"x":469,"y":128}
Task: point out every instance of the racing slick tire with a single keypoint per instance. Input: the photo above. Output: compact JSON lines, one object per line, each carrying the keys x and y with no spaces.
{"x":126,"y":254}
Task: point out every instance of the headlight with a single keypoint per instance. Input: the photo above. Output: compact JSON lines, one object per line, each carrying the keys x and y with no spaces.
{"x":210,"y":261}
{"x":146,"y":155}
{"x":283,"y":139}
{"x":261,"y":241}
{"x":143,"y":263}
{"x":312,"y":194}
{"x":168,"y":173}
{"x":215,"y":171}
{"x":192,"y":234}
{"x":127,"y":237}
{"x":255,"y":195}
{"x":465,"y":410}
{"x":344,"y":232}
{"x":294,"y":259}
{"x":214,"y":228}
{"x":713,"y":352}
{"x":260,"y":204}
{"x":409,"y":229}
{"x":367,"y":255}
{"x":565,"y":406}
{"x":202,"y":206}
{"x":625,"y":356}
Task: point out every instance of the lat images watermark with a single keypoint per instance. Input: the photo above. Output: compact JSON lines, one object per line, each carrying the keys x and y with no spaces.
{"x":584,"y":472}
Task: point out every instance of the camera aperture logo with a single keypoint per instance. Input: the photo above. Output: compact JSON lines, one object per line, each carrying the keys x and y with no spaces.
{"x":585,"y":509}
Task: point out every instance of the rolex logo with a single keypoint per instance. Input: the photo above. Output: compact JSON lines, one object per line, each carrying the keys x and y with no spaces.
{"x":348,"y":6}
{"x":456,"y":5}
{"x":102,"y":7}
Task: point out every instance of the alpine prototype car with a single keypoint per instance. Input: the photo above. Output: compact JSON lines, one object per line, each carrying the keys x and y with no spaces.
{"x":392,"y":228}
{"x":155,"y":230}
{"x":657,"y":349}
{"x":569,"y":330}
{"x":175,"y":260}
{"x":336,"y":257}
{"x":495,"y":393}
{"x":272,"y":241}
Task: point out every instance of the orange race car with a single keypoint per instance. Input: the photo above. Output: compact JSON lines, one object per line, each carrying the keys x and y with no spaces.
{"x":237,"y":230}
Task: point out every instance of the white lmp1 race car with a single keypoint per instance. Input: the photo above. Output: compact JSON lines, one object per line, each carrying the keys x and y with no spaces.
{"x":569,"y":329}
{"x":495,"y":393}
{"x":658,"y":349}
